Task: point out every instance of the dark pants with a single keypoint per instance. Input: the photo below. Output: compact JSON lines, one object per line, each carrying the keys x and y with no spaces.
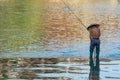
{"x":95,"y":43}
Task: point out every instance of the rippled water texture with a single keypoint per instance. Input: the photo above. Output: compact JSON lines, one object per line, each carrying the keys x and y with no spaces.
{"x":42,"y":40}
{"x":58,"y":69}
{"x":45,"y":28}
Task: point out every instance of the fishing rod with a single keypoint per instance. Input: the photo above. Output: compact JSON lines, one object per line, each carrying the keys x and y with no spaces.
{"x":74,"y":14}
{"x":78,"y":20}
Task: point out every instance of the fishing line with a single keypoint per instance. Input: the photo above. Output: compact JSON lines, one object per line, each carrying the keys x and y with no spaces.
{"x":74,"y":14}
{"x":71,"y":12}
{"x":80,"y":22}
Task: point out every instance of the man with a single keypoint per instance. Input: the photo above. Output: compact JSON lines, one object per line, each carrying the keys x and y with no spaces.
{"x":94,"y":31}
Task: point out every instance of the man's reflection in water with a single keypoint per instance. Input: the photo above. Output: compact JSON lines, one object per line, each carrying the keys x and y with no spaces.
{"x":94,"y":69}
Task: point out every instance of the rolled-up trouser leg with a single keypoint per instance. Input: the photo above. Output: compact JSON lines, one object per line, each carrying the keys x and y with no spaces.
{"x":97,"y":51}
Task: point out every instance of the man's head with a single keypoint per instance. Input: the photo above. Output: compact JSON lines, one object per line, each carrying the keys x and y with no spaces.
{"x":92,"y":25}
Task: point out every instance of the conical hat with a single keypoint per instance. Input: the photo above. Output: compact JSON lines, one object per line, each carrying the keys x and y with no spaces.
{"x":92,"y":25}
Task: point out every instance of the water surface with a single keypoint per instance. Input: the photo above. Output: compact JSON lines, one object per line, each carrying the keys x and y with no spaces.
{"x":57,"y":69}
{"x":42,"y":40}
{"x":47,"y":28}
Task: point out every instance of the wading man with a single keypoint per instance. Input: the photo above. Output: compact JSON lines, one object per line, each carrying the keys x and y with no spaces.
{"x":94,"y":31}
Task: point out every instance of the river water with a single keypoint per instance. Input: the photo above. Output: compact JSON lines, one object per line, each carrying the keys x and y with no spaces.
{"x":43,"y":30}
{"x":37,"y":28}
{"x":58,"y":69}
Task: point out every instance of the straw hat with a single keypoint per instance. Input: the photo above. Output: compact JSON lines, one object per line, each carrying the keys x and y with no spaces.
{"x":92,"y":25}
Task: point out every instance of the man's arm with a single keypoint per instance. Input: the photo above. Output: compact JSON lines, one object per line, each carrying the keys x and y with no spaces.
{"x":90,"y":34}
{"x":90,"y":37}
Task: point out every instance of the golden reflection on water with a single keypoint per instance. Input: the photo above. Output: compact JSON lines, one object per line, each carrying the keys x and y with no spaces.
{"x":39,"y":26}
{"x":63,"y":28}
{"x":29,"y":68}
{"x":47,"y":25}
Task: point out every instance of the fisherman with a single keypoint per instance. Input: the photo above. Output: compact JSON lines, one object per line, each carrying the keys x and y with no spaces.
{"x":95,"y":33}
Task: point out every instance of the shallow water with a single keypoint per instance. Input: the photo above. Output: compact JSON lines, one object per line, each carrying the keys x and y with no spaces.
{"x":42,"y":40}
{"x":46,"y":28}
{"x":57,"y":69}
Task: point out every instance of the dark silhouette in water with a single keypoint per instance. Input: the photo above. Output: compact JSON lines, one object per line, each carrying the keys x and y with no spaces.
{"x":94,"y":69}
